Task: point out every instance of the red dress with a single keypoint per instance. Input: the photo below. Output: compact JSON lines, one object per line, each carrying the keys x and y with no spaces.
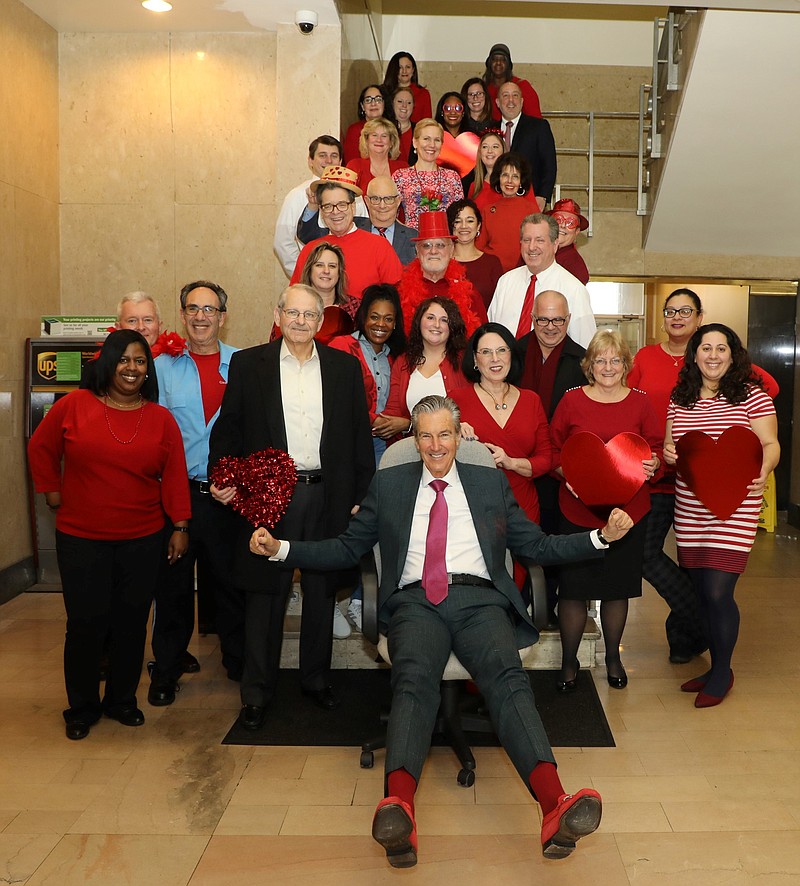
{"x":361,"y":165}
{"x":350,"y":141}
{"x":500,"y":230}
{"x":422,"y":101}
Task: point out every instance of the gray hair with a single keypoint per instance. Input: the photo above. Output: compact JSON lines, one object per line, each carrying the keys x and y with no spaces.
{"x":436,"y":403}
{"x":220,"y":293}
{"x":538,"y":218}
{"x":309,"y":290}
{"x":137,"y":298}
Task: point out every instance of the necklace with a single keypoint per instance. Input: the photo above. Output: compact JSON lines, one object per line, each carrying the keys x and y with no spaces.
{"x":135,"y":405}
{"x":676,"y":358}
{"x":138,"y":423}
{"x":502,"y":404}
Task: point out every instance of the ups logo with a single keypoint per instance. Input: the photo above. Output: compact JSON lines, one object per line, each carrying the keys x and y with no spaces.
{"x":46,"y":365}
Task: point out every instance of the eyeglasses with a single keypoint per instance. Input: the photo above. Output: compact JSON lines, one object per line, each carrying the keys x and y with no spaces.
{"x":615,"y":362}
{"x":456,"y":108}
{"x":493,"y":352}
{"x":472,"y":96}
{"x":569,"y":223}
{"x":681,"y":312}
{"x":208,"y":310}
{"x":432,"y":245}
{"x":294,"y":314}
{"x":337,"y":207}
{"x":372,"y":100}
{"x":387,"y":201}
{"x":546,"y":321}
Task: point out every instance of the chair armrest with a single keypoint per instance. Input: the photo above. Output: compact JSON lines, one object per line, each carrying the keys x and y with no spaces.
{"x":369,"y":611}
{"x":538,"y":594}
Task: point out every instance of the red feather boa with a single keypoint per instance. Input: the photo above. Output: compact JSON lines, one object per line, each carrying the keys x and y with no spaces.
{"x":414,"y":290}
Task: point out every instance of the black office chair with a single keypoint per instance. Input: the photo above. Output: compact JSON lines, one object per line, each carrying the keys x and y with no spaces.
{"x":451,"y":720}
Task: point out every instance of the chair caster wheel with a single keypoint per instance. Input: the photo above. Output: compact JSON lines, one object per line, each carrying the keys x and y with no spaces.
{"x":367,"y":759}
{"x":466,"y":778}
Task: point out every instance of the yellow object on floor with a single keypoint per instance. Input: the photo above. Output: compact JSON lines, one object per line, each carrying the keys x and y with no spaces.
{"x":769,"y":511}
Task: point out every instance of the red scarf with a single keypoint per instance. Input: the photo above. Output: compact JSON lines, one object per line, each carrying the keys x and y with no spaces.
{"x":414,"y":289}
{"x":541,"y":376}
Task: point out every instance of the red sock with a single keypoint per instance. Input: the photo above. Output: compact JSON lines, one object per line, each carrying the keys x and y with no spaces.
{"x":546,"y":786}
{"x":402,"y":784}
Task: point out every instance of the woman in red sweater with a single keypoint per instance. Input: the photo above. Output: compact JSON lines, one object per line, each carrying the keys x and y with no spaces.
{"x":111,"y":464}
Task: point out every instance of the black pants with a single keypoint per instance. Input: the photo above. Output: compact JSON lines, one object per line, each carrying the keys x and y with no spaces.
{"x":108,"y":588}
{"x":211,"y":534}
{"x":304,"y":521}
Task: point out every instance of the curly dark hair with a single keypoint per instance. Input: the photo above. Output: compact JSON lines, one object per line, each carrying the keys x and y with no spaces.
{"x":454,"y":208}
{"x":103,"y":368}
{"x":384,"y":292}
{"x":469,"y":362}
{"x":456,"y":341}
{"x":733,"y":386}
{"x":515,"y":161}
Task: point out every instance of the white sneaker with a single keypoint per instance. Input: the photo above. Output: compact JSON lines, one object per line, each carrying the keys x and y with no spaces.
{"x":354,"y":612}
{"x":341,"y":627}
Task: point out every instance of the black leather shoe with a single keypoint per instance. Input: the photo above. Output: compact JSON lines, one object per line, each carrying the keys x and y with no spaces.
{"x":569,"y":685}
{"x":126,"y":716}
{"x":78,"y":729}
{"x":326,"y":698}
{"x":680,"y":654}
{"x":619,"y":682}
{"x":252,"y":716}
{"x":189,"y":664}
{"x":161,"y":694}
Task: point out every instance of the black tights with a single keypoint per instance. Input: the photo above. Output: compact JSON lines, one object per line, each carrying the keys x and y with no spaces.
{"x":721,"y":614}
{"x":572,"y":621}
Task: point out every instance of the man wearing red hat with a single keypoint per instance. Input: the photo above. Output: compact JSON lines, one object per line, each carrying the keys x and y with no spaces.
{"x":368,"y":258}
{"x":570,"y":223}
{"x":435,"y":272}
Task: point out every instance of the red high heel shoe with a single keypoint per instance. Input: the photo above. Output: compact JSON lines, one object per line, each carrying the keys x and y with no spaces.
{"x":704,"y":700}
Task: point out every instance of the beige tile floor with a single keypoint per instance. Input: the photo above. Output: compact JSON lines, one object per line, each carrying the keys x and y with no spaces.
{"x":692,"y":798}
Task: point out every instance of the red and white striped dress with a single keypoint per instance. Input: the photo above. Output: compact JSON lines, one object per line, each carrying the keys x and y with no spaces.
{"x":705,"y":541}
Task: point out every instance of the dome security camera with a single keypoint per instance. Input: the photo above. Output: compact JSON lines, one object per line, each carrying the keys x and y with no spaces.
{"x":306,"y":20}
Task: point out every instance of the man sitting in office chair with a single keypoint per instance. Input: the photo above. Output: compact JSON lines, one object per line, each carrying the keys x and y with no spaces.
{"x":443,"y":531}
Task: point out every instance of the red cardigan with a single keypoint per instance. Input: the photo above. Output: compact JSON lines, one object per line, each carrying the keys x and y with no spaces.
{"x":401,"y":374}
{"x":350,"y":345}
{"x":110,"y":490}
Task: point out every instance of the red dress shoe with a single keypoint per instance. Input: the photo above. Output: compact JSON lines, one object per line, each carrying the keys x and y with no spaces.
{"x":394,"y":828}
{"x":704,"y":700}
{"x":575,"y":816}
{"x":694,"y":685}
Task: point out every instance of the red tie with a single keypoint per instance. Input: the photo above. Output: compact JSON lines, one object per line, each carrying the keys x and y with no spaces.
{"x":524,"y":325}
{"x":382,"y":232}
{"x":434,"y":571}
{"x":507,"y":134}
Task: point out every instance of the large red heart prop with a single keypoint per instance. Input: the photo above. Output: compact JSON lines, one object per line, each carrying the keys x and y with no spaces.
{"x":459,"y":153}
{"x":264,"y":484}
{"x":604,"y":474}
{"x":719,"y":472}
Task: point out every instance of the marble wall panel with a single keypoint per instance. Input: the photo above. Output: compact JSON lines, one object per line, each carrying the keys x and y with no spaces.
{"x":110,"y":249}
{"x":223,"y":108}
{"x":28,"y":100}
{"x":116,"y":123}
{"x":36,"y":260}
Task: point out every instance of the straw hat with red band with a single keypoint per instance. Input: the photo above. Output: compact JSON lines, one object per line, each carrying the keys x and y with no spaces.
{"x":433,"y":226}
{"x":569,"y":206}
{"x":340,"y":176}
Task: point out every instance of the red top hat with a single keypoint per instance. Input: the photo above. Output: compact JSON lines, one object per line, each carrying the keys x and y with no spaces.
{"x":569,"y":206}
{"x":433,"y":226}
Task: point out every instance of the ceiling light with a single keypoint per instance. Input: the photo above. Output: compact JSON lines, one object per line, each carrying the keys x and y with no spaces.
{"x":157,"y":5}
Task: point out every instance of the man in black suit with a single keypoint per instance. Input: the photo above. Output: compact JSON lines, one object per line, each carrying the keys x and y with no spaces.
{"x":383,"y":202}
{"x":529,"y":136}
{"x":443,"y":532}
{"x":309,"y":401}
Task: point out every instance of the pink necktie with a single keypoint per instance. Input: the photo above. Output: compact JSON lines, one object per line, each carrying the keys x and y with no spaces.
{"x":434,"y":571}
{"x":524,"y":325}
{"x":507,"y":134}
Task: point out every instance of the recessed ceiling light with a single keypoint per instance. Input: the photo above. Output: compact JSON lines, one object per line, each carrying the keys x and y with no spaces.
{"x":157,"y":5}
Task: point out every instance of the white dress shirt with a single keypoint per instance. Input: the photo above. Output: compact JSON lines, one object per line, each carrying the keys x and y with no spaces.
{"x":301,"y":395}
{"x":509,"y":295}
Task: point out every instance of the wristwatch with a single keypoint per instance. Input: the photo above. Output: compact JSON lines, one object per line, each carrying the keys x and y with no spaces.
{"x":602,"y":539}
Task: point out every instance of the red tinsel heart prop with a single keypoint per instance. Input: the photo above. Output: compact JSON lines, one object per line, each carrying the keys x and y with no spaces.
{"x":604,"y":474}
{"x":459,"y":153}
{"x":719,"y":472}
{"x":264,"y":484}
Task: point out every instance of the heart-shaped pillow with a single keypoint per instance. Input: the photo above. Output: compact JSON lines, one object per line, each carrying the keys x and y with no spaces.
{"x":264,"y":484}
{"x":719,"y":472}
{"x":459,"y":153}
{"x":605,"y":474}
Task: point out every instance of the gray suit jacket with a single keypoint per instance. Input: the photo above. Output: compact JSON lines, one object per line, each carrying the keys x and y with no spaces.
{"x":386,"y":515}
{"x":402,"y":242}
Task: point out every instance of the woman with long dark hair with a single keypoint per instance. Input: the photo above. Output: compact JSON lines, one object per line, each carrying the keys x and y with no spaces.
{"x":480,"y":111}
{"x":717,"y":390}
{"x":483,"y":270}
{"x":402,"y":71}
{"x":111,"y":464}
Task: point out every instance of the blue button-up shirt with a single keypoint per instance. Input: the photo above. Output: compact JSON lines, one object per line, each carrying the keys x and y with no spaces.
{"x":379,"y":367}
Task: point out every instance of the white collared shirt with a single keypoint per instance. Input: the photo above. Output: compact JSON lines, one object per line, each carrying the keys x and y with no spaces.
{"x":463,"y":550}
{"x":301,"y":395}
